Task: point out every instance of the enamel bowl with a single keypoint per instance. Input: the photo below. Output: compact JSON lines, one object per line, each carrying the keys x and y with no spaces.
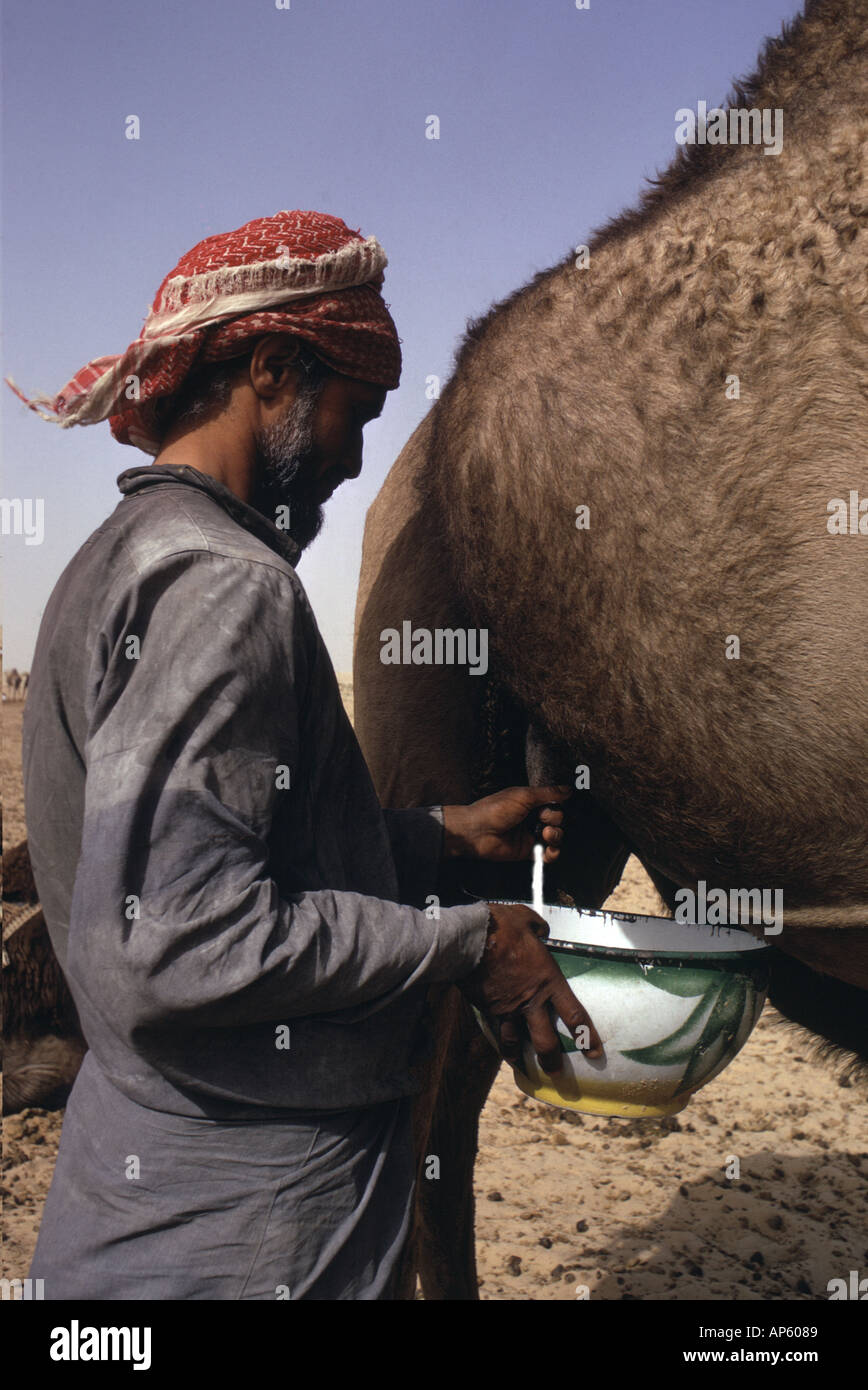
{"x":673,"y":1003}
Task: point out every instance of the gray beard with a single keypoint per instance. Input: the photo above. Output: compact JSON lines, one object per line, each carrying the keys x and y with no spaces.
{"x":285,"y":474}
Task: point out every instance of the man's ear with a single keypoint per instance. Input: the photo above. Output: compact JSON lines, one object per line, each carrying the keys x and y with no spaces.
{"x":273,"y":365}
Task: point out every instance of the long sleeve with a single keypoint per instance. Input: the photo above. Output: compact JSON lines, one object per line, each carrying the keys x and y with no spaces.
{"x":416,"y":838}
{"x":194,"y":727}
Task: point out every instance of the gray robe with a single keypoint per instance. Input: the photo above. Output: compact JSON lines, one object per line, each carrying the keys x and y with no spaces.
{"x":240,"y":924}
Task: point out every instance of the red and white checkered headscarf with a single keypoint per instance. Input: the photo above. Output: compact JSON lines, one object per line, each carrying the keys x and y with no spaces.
{"x":301,"y":273}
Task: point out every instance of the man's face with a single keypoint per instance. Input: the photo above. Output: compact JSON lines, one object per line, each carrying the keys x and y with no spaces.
{"x":312,"y":448}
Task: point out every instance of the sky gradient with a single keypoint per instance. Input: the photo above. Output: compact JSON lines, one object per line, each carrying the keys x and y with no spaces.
{"x":550,"y":119}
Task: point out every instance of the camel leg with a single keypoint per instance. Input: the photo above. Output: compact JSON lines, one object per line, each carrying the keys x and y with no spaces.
{"x":665,"y":887}
{"x":468,"y":1065}
{"x":445,"y":1204}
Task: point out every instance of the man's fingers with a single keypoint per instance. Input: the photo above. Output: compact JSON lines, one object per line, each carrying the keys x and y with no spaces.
{"x":577,"y":1019}
{"x":551,"y":838}
{"x":544,"y":1038}
{"x":510,"y":1040}
{"x":548,"y":832}
{"x":538,"y":925}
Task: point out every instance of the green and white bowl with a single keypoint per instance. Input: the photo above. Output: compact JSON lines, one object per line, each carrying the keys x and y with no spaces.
{"x":673,"y":1004}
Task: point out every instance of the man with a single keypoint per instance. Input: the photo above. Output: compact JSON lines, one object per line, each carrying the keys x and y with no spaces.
{"x":239,"y":922}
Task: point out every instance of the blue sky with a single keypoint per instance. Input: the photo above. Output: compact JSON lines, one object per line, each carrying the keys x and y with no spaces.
{"x":550,"y":118}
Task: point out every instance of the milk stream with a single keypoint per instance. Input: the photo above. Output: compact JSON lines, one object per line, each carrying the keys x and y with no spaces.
{"x":538,"y":852}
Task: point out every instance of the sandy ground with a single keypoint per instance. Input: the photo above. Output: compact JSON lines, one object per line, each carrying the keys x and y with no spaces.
{"x":626,"y":1209}
{"x":11,"y":786}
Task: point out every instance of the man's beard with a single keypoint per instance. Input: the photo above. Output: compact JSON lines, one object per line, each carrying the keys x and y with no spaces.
{"x":286,"y":470}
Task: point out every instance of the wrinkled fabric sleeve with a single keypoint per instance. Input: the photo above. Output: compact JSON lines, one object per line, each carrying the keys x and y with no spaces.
{"x":416,"y":837}
{"x":196,"y":682}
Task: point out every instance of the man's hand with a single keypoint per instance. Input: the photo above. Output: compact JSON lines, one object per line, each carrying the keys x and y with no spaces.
{"x":515,"y":982}
{"x":502,"y":827}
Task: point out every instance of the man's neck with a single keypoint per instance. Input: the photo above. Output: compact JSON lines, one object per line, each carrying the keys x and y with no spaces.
{"x":215,"y":450}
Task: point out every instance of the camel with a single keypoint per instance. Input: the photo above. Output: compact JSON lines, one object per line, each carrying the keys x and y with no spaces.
{"x":633,"y":480}
{"x":42,"y":1042}
{"x":13,"y":683}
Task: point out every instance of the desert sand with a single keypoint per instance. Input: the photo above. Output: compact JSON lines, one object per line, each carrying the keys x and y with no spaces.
{"x":622,"y":1209}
